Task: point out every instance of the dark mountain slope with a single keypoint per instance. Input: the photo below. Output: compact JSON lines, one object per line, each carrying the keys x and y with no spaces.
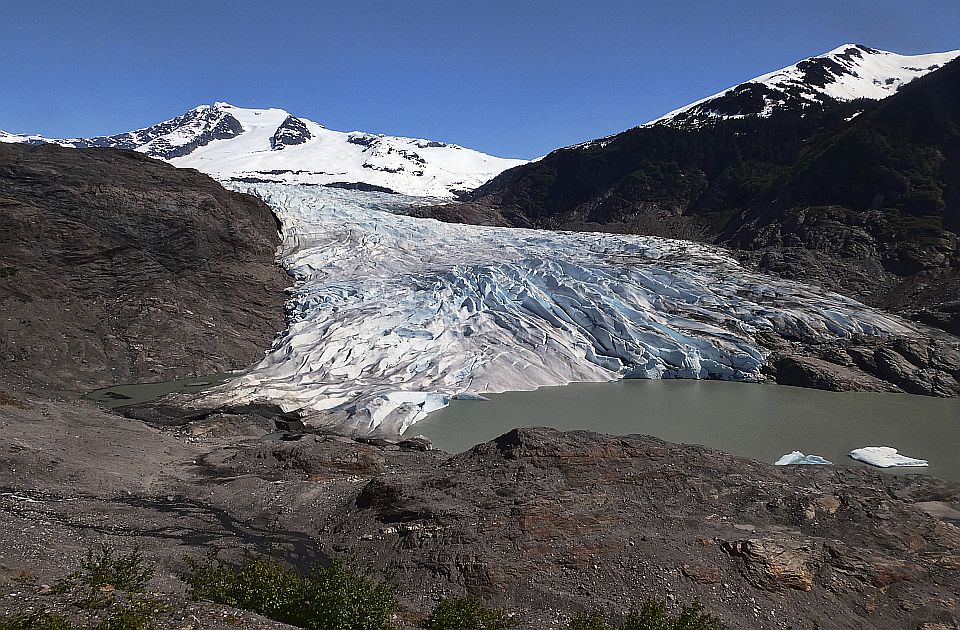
{"x":879,"y":200}
{"x":867,"y":203}
{"x":898,"y":154}
{"x":115,"y":267}
{"x":645,"y":179}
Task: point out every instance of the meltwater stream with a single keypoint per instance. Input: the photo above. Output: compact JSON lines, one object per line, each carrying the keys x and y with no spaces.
{"x":762,"y":422}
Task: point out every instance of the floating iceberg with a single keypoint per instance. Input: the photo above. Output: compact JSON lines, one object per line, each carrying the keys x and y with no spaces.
{"x":884,"y":457}
{"x":796,"y":457}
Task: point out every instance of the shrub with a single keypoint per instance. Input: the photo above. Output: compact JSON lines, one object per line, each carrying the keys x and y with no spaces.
{"x":39,"y":620}
{"x":593,"y":621}
{"x":653,"y":615}
{"x":137,"y":617}
{"x":466,"y":613}
{"x":327,"y":597}
{"x":129,"y":572}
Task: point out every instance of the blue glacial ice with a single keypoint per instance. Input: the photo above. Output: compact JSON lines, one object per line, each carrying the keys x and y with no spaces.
{"x":391,"y":315}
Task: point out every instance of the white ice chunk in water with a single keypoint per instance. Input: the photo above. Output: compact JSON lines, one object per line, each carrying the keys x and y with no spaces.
{"x":796,"y":457}
{"x":884,"y":457}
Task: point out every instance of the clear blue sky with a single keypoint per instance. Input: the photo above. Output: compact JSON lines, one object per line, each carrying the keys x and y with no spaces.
{"x":514,"y":78}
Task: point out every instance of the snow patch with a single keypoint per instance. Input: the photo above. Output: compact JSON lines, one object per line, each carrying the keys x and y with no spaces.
{"x":846,"y":73}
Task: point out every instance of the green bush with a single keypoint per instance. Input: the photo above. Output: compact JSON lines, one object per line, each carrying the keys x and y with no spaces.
{"x":327,"y":597}
{"x":466,"y":613}
{"x":136,"y":617}
{"x":39,"y":620}
{"x":119,"y":618}
{"x":129,"y":572}
{"x":653,"y":615}
{"x":593,"y":621}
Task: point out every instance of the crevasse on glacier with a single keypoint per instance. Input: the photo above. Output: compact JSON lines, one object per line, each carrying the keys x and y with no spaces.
{"x":392,"y":315}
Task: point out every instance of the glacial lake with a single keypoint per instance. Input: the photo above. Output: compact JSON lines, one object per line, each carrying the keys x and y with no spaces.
{"x":135,"y":393}
{"x":762,"y":422}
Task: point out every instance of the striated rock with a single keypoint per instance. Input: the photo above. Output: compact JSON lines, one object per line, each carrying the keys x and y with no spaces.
{"x":120,"y":268}
{"x":702,"y":573}
{"x":872,"y":569}
{"x":917,"y":365}
{"x":310,"y":457}
{"x":774,"y":565}
{"x":817,"y":374}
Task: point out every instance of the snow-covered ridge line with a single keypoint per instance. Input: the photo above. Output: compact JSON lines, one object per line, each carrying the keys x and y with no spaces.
{"x":273,"y":146}
{"x":846,"y":73}
{"x":393,"y":315}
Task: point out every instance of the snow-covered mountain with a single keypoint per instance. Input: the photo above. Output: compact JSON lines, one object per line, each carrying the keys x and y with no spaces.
{"x":846,"y":73}
{"x":273,"y":146}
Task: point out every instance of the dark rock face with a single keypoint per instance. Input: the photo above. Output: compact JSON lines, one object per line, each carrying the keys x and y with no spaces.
{"x":206,"y":123}
{"x":543,"y":520}
{"x":927,"y":366}
{"x":292,"y":131}
{"x":226,"y":127}
{"x":115,"y":267}
{"x":362,"y":186}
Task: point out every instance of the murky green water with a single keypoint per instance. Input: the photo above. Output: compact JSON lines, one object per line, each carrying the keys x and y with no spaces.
{"x":124,"y":395}
{"x":758,"y":421}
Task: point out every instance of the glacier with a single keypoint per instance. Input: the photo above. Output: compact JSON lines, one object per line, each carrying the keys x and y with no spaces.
{"x":391,"y":316}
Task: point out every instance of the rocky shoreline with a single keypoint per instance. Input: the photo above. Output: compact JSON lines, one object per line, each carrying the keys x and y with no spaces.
{"x":541,"y":522}
{"x":537,"y":521}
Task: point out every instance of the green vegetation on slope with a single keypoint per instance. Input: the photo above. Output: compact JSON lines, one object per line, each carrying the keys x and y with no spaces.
{"x":326,"y":597}
{"x":652,"y":615}
{"x":107,"y":593}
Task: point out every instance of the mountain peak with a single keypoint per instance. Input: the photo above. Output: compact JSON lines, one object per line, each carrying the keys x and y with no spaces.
{"x":846,"y":73}
{"x":844,"y":48}
{"x":273,"y":146}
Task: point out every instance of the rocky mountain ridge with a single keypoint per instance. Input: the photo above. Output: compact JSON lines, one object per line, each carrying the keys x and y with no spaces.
{"x":118,"y":268}
{"x":847,"y":73}
{"x":272,"y":145}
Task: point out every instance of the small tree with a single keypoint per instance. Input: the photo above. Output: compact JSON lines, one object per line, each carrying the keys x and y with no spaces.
{"x":466,"y":613}
{"x":327,"y":597}
{"x":129,"y":572}
{"x":653,"y":615}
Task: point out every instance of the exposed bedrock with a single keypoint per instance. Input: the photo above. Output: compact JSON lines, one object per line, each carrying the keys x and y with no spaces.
{"x":115,"y":267}
{"x":520,"y":520}
{"x":926,"y":365}
{"x":542,"y":522}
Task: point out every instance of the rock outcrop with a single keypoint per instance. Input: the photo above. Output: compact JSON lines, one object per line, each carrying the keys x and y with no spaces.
{"x":547,"y":521}
{"x":115,"y":267}
{"x":538,"y":521}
